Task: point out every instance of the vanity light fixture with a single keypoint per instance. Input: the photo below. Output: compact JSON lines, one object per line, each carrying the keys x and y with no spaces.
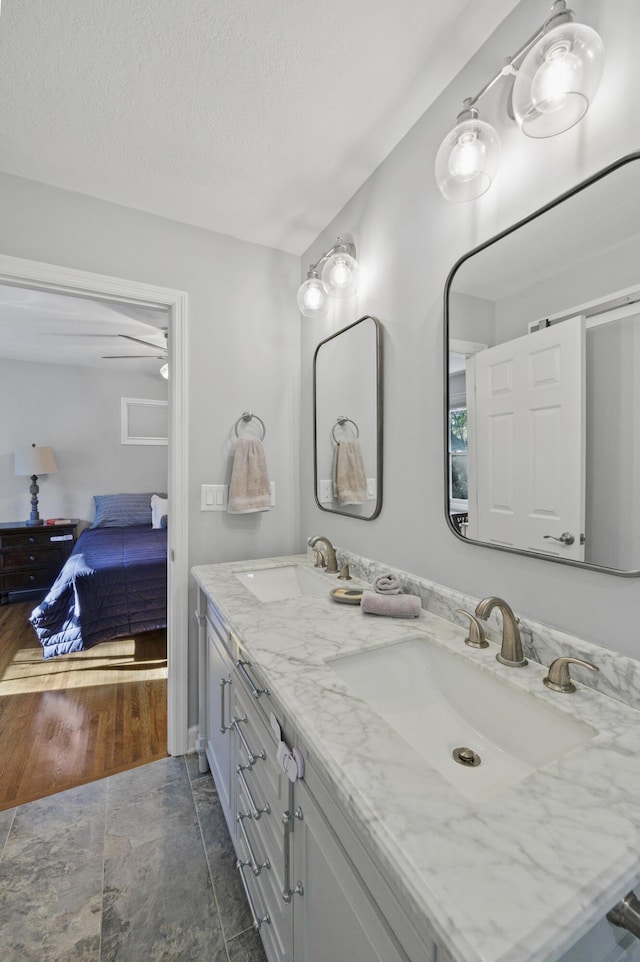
{"x":556,"y":76}
{"x":164,"y":371}
{"x":335,"y":274}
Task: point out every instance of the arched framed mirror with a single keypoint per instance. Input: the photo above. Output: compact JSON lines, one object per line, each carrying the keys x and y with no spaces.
{"x":542,"y":342}
{"x":347,"y":420}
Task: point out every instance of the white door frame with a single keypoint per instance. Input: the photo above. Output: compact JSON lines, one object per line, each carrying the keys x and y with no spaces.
{"x":19,"y":272}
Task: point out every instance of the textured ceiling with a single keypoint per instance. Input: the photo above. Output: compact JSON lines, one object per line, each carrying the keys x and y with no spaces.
{"x":60,"y":329}
{"x":255,"y":118}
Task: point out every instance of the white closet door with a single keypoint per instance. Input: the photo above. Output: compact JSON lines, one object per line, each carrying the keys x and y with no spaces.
{"x":528,"y":442}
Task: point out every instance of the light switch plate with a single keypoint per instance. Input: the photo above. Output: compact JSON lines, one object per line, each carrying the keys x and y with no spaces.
{"x":214,"y":497}
{"x":325,"y":489}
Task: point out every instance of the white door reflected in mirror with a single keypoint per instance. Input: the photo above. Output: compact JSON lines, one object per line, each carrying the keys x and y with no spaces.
{"x":522,"y":477}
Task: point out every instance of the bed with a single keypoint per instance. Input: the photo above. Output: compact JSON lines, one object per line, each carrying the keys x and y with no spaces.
{"x":114,"y":583}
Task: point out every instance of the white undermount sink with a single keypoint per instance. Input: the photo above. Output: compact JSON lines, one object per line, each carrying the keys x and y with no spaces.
{"x":283,"y":581}
{"x":439,"y":701}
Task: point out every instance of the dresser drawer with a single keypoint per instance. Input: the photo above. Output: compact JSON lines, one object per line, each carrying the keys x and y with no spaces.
{"x":28,"y":578}
{"x":36,"y":538}
{"x":30,"y":557}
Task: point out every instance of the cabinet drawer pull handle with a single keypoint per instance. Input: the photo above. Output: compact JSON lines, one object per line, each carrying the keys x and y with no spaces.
{"x":32,"y":557}
{"x":255,"y":811}
{"x":32,"y":540}
{"x":258,"y":922}
{"x":256,"y":692}
{"x":201,"y":619}
{"x":287,"y":891}
{"x":255,"y":865}
{"x":223,"y":727}
{"x":252,"y":757}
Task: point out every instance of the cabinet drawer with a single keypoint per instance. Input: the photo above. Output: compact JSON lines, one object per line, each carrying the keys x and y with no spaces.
{"x":267,"y":889}
{"x":35,"y":538}
{"x":265,"y":846}
{"x":30,"y":557}
{"x":264,"y":773}
{"x":256,"y":691}
{"x":42,"y":578}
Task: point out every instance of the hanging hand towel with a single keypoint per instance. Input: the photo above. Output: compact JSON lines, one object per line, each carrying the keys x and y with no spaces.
{"x":349,"y":477}
{"x":249,"y":489}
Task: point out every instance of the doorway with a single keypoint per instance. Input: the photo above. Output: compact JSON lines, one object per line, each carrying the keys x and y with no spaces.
{"x":62,"y":280}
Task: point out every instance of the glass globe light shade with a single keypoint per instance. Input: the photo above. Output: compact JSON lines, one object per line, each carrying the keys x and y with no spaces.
{"x":312,"y":299}
{"x":340,"y":274}
{"x":558,"y":80}
{"x":467,"y":159}
{"x":164,"y":371}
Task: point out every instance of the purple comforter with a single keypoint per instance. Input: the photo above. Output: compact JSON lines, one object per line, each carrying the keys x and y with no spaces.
{"x":114,"y":583}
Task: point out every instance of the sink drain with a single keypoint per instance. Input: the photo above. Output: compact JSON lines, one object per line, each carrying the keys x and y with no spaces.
{"x":466,"y":757}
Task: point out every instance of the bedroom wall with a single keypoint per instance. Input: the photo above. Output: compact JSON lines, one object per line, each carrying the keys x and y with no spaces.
{"x":408,"y":238}
{"x":243,"y":346}
{"x":75,"y":411}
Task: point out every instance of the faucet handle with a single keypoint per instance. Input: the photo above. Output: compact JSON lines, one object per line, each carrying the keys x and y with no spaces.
{"x":476,"y":637}
{"x":559,"y":678}
{"x":345,"y":574}
{"x":320,"y":560}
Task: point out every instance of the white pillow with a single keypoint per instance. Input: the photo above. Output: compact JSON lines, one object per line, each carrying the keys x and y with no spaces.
{"x":159,"y":511}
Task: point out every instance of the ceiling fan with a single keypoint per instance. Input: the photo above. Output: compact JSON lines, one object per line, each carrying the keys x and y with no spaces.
{"x":129,"y":337}
{"x":162,"y":351}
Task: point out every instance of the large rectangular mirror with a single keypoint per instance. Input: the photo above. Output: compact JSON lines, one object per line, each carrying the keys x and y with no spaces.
{"x":542,"y":373}
{"x":347,"y":420}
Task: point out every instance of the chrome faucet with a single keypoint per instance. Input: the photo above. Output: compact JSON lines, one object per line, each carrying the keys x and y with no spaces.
{"x":332,"y":564}
{"x":511,"y":650}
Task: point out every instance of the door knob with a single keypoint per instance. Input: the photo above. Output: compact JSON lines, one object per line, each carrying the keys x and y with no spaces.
{"x":565,"y":538}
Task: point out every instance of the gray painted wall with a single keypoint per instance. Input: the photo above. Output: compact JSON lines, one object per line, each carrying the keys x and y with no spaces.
{"x":408,"y":238}
{"x":75,"y":411}
{"x":242,"y":345}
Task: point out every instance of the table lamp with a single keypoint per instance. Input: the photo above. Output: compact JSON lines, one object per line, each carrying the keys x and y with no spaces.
{"x":33,"y":462}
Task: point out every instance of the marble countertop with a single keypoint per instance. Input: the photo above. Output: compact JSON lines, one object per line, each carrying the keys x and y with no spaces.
{"x":517,"y":877}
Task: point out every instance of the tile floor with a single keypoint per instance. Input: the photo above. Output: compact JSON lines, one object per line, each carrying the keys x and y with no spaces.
{"x":137,"y":867}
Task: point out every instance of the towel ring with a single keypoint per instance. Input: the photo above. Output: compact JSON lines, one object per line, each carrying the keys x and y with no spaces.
{"x":248,"y":416}
{"x":342,"y":421}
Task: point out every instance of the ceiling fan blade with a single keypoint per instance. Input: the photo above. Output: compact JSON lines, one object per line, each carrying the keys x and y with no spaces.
{"x":140,"y":340}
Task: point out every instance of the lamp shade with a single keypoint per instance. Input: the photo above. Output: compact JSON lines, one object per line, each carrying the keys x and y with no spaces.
{"x":33,"y":460}
{"x":558,"y":80}
{"x":467,"y":159}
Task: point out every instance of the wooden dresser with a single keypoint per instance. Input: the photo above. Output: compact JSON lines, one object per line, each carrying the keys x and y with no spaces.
{"x":31,"y":557}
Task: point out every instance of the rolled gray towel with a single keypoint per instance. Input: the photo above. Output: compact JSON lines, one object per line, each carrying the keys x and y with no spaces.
{"x":395,"y":606}
{"x":387,"y":585}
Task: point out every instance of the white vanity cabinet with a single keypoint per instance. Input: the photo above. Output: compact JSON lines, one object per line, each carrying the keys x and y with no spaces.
{"x":322,"y":884}
{"x":262,"y":839}
{"x":334,"y":914}
{"x":219,"y":683}
{"x":309,"y":899}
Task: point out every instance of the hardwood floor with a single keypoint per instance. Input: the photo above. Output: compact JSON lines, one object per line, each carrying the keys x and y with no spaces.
{"x":76,"y":718}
